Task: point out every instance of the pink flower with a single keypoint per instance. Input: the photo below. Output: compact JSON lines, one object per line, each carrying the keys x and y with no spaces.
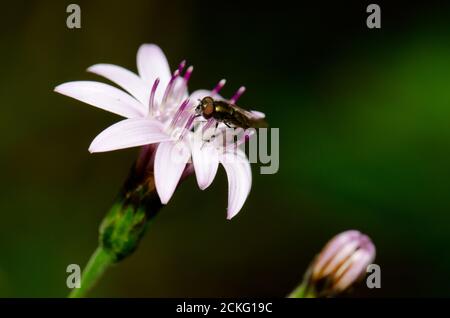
{"x":158,"y":111}
{"x":343,"y":260}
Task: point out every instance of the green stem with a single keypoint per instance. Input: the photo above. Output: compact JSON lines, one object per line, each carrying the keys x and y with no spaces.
{"x":305,"y":289}
{"x":299,"y":292}
{"x":123,"y":227}
{"x":97,"y":265}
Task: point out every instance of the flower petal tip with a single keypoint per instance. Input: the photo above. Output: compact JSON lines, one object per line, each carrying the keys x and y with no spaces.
{"x":204,"y":185}
{"x":64,"y":87}
{"x":150,"y":46}
{"x":163,"y":197}
{"x":94,"y":148}
{"x":57,"y":89}
{"x":92,"y":68}
{"x":231,"y":214}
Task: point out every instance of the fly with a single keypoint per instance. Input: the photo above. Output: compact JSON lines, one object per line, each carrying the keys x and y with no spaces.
{"x":229,"y":114}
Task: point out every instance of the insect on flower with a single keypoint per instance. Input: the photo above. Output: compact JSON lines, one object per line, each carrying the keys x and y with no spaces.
{"x":158,"y":111}
{"x":229,"y":114}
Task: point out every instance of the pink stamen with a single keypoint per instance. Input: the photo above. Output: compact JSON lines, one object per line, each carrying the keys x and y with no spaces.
{"x":208,"y":124}
{"x":218,"y":87}
{"x":188,"y":73}
{"x":237,"y":95}
{"x":169,"y":87}
{"x":183,"y":118}
{"x":183,"y":85}
{"x":189,"y":122}
{"x":151,"y":103}
{"x":188,"y":125}
{"x":181,"y":66}
{"x":179,"y":112}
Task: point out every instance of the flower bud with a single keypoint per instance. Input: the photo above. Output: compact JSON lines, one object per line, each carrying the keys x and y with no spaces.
{"x":341,"y":263}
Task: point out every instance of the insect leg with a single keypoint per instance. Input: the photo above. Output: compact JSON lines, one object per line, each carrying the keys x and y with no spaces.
{"x":213,"y":136}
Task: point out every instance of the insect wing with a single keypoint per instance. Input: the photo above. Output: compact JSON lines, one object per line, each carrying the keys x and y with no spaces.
{"x":242,"y":111}
{"x":256,"y":120}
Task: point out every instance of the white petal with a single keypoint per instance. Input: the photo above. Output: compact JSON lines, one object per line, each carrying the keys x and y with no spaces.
{"x":103,"y":96}
{"x":239,"y":176}
{"x":129,"y":133}
{"x":170,"y":161}
{"x":129,"y":81}
{"x":205,"y":158}
{"x":152,"y":64}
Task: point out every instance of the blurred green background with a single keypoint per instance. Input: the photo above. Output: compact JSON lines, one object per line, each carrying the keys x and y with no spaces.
{"x":365,"y":144}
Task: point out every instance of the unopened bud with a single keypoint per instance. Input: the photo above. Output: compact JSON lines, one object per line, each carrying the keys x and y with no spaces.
{"x":341,"y":263}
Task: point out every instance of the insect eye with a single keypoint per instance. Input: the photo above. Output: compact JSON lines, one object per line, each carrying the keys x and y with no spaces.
{"x":208,"y":109}
{"x":207,"y":100}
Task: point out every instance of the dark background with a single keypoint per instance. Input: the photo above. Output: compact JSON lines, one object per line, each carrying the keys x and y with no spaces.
{"x":364,"y":143}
